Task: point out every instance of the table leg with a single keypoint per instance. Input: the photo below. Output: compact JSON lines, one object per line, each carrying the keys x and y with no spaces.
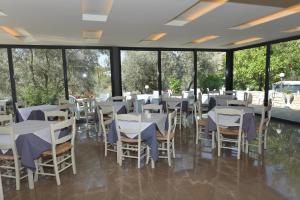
{"x":30,"y":179}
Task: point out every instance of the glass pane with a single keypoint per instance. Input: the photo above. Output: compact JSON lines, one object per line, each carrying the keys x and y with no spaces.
{"x":5,"y":89}
{"x":249,"y":73}
{"x":210,"y":70}
{"x":38,"y":75}
{"x":89,"y":73}
{"x":285,"y":79}
{"x":139,"y":71}
{"x":177,"y":71}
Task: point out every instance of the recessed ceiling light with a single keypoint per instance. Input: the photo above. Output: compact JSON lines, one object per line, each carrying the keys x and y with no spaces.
{"x":155,"y":37}
{"x":204,"y":39}
{"x":280,"y":14}
{"x":95,"y":10}
{"x":244,"y":41}
{"x":92,"y":34}
{"x":2,"y":14}
{"x":93,"y":17}
{"x":195,"y":11}
{"x":11,"y":31}
{"x":292,"y":30}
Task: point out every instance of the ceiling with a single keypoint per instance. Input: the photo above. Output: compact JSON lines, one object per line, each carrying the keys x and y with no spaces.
{"x":59,"y":22}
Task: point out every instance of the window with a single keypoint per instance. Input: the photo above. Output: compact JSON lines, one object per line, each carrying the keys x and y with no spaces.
{"x":5,"y":89}
{"x":38,"y":75}
{"x":139,"y":71}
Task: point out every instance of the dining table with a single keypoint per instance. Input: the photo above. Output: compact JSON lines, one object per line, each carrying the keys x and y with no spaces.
{"x":32,"y":138}
{"x":35,"y":112}
{"x":151,"y":122}
{"x":248,"y":124}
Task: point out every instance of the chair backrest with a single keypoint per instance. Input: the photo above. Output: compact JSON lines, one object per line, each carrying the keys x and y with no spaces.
{"x":89,"y":105}
{"x":171,"y":101}
{"x":2,"y":107}
{"x":105,"y":117}
{"x":237,"y":122}
{"x":265,"y":118}
{"x":136,"y":129}
{"x":152,"y":107}
{"x":70,"y":108}
{"x":138,"y":105}
{"x":56,"y":115}
{"x":236,"y":103}
{"x":6,"y":128}
{"x":63,"y":101}
{"x":62,"y":132}
{"x":20,"y":104}
{"x":198,"y":110}
{"x":230,"y":92}
{"x":172,"y":117}
{"x":118,"y":98}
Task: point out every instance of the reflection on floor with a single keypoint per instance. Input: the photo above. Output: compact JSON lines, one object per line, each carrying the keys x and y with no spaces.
{"x":197,"y":173}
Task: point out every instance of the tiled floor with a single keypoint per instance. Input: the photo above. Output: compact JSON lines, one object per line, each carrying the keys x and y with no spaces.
{"x":197,"y":173}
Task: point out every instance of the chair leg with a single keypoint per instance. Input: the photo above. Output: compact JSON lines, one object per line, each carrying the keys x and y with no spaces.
{"x":148,"y":155}
{"x":197,"y":133}
{"x":139,"y":157}
{"x":173,"y":148}
{"x":56,"y":170}
{"x":17,"y":173}
{"x":105,"y":148}
{"x":239,"y":149}
{"x":265,"y":139}
{"x":213,"y":142}
{"x":259,"y":143}
{"x":73,"y":161}
{"x":219,"y":145}
{"x":37,"y":169}
{"x":119,"y":153}
{"x":169,"y":153}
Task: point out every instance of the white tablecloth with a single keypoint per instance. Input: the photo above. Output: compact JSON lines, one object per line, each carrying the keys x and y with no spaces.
{"x":25,"y":112}
{"x":118,"y":105}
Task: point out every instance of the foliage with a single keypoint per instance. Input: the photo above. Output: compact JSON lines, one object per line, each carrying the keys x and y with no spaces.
{"x":175,"y":85}
{"x":5,"y":91}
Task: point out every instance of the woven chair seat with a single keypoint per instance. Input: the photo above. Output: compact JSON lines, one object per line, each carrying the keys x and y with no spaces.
{"x":6,"y":157}
{"x":229,"y":131}
{"x":129,"y":140}
{"x":60,"y":149}
{"x":203,"y":122}
{"x":161,"y":137}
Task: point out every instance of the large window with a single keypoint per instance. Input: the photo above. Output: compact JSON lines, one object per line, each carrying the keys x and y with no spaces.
{"x":5,"y":89}
{"x":89,"y":73}
{"x":38,"y":75}
{"x":210,"y":70}
{"x":139,"y":71}
{"x":177,"y":71}
{"x":249,"y":73}
{"x":285,"y":75}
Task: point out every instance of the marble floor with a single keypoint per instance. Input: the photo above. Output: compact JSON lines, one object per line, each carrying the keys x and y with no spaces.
{"x":197,"y":172}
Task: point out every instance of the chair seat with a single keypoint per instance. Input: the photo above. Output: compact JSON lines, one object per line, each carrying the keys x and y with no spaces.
{"x":6,"y":157}
{"x":161,"y":137}
{"x":60,"y":149}
{"x":129,"y":140}
{"x":229,"y":131}
{"x":202,"y":122}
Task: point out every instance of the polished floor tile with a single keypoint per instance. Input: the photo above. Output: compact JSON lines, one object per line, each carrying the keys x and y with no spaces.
{"x":196,"y":173}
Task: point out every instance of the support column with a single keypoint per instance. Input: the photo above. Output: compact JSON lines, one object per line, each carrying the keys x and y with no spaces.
{"x":115,"y":63}
{"x":267,"y":74}
{"x":65,"y":71}
{"x":12,"y":80}
{"x":159,"y":72}
{"x":229,"y":70}
{"x":195,"y":74}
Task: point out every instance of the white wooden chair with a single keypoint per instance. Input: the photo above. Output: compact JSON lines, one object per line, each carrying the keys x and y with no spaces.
{"x":106,"y":116}
{"x":127,"y":145}
{"x":90,"y":111}
{"x":2,"y":107}
{"x":68,"y":107}
{"x":167,"y":141}
{"x":230,"y":92}
{"x":152,"y":107}
{"x":229,"y":131}
{"x":175,"y":104}
{"x":118,"y":98}
{"x":10,"y":164}
{"x":62,"y":155}
{"x":201,"y":123}
{"x":130,"y":104}
{"x":262,"y":129}
{"x":56,"y":115}
{"x":237,"y":103}
{"x":20,"y":104}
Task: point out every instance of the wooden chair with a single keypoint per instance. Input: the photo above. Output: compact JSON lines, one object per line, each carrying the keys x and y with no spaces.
{"x":20,"y":104}
{"x":56,"y":115}
{"x":118,"y":98}
{"x":90,"y":111}
{"x":152,"y":107}
{"x":230,"y":92}
{"x":70,"y":108}
{"x":167,"y":141}
{"x":262,"y":129}
{"x":170,"y":104}
{"x":126,"y":145}
{"x":10,"y":164}
{"x":236,"y":103}
{"x":2,"y":107}
{"x":62,"y":155}
{"x":229,"y":131}
{"x":201,"y":123}
{"x":105,"y":116}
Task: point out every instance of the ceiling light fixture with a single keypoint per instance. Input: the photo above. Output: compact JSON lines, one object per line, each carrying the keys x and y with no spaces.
{"x":195,"y":11}
{"x":95,"y":10}
{"x":280,"y":14}
{"x":11,"y":31}
{"x":2,"y":14}
{"x":205,"y":39}
{"x":292,"y":30}
{"x":92,"y":34}
{"x":155,"y":37}
{"x":244,"y":41}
